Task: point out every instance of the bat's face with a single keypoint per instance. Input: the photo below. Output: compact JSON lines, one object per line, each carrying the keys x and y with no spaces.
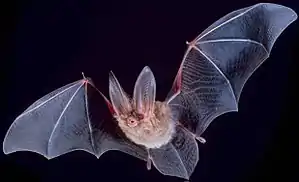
{"x":151,"y":131}
{"x":143,"y":120}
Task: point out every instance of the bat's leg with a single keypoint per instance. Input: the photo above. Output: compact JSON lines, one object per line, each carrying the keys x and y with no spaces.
{"x":148,"y":162}
{"x":201,"y":139}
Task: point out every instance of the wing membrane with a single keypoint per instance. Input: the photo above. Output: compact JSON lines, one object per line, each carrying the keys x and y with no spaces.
{"x":219,"y":61}
{"x":177,"y":158}
{"x":65,"y":120}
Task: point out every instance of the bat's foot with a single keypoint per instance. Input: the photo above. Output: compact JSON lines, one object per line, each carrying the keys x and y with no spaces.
{"x":148,"y":163}
{"x":201,"y":139}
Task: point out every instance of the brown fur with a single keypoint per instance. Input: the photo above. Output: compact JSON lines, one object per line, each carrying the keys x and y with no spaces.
{"x":152,"y":131}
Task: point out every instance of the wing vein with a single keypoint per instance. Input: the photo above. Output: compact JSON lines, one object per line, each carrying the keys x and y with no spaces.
{"x":177,"y":76}
{"x":41,"y":104}
{"x":58,"y":120}
{"x":227,"y":21}
{"x":227,"y":80}
{"x":176,"y":152}
{"x":88,"y":119}
{"x":234,"y":40}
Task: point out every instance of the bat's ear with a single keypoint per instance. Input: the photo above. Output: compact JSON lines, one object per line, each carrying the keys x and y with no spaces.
{"x":145,"y":92}
{"x":120,"y":101}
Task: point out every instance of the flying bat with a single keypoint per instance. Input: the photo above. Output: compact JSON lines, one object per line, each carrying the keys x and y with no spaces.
{"x":209,"y":81}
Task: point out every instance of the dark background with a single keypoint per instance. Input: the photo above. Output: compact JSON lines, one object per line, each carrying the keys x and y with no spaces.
{"x":47,"y":44}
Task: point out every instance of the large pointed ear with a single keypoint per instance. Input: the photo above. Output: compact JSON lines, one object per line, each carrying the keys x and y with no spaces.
{"x":145,"y":92}
{"x":119,"y":99}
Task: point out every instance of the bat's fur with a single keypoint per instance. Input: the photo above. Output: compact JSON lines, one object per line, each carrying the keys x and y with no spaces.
{"x":153,"y":131}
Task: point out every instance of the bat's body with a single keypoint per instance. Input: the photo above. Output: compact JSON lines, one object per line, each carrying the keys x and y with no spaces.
{"x":209,"y":82}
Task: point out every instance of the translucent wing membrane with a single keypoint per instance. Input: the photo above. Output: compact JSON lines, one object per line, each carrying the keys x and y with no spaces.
{"x":64,"y":121}
{"x":218,"y":62}
{"x":177,"y":158}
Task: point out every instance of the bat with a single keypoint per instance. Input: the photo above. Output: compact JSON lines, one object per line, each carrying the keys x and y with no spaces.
{"x":209,"y":81}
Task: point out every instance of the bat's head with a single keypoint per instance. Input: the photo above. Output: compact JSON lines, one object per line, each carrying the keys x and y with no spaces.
{"x":143,"y":120}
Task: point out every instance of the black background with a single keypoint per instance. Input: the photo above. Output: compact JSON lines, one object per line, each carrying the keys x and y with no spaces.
{"x":47,"y":44}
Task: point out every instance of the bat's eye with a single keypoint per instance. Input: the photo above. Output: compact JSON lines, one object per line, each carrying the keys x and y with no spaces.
{"x":132,"y":123}
{"x":140,"y":116}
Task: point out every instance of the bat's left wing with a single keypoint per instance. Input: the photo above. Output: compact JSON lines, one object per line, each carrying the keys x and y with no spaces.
{"x":219,"y":61}
{"x":68,"y":119}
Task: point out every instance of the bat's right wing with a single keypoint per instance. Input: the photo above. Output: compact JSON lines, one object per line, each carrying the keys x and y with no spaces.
{"x":67,"y":119}
{"x":219,"y":61}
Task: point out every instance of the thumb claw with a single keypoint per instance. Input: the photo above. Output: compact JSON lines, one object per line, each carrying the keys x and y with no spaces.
{"x":201,"y":139}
